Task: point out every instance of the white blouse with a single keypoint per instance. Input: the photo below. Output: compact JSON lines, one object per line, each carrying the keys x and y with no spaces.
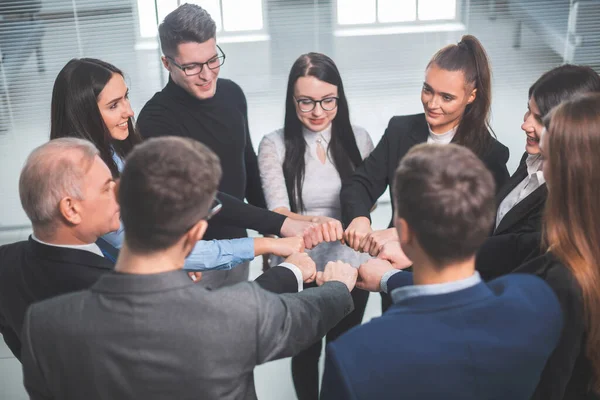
{"x":320,"y":189}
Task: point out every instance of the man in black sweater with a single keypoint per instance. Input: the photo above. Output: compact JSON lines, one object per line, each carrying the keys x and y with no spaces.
{"x":197,"y":104}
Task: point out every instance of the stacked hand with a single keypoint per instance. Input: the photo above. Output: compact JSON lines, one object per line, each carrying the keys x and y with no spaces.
{"x":285,"y":247}
{"x":370,"y":274}
{"x":358,"y":229}
{"x":314,"y":232}
{"x":373,"y":242}
{"x":338,"y":271}
{"x":306,"y":265}
{"x":392,"y":252}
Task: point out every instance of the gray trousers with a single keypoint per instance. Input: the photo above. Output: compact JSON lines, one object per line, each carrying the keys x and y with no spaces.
{"x":217,"y":279}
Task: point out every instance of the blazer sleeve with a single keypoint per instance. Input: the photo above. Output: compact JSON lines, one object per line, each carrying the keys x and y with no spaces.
{"x":496,"y":161}
{"x":370,"y":180}
{"x":502,"y":254}
{"x":560,"y":365}
{"x":335,"y":386}
{"x":289,"y":323}
{"x":278,"y":280}
{"x":33,"y":378}
{"x":240,"y":214}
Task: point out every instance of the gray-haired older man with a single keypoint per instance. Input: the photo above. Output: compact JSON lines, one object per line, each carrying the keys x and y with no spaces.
{"x":68,"y":194}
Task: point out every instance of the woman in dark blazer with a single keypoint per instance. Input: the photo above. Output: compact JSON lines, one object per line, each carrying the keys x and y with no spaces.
{"x":517,"y":231}
{"x":571,"y":236}
{"x":456,"y":98}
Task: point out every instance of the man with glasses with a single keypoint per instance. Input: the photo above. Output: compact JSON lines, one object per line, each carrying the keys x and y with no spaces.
{"x":197,"y":104}
{"x":147,"y":331}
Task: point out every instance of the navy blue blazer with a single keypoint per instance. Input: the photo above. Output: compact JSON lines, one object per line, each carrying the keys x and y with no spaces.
{"x":489,"y":341}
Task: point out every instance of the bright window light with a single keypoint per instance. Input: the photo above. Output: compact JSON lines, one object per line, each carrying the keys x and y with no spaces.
{"x":242,"y":15}
{"x":212,"y":6}
{"x":351,"y":12}
{"x":397,"y":10}
{"x":430,"y":10}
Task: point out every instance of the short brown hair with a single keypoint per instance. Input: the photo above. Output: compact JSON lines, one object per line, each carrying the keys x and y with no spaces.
{"x":446,"y":195}
{"x":167,"y":186}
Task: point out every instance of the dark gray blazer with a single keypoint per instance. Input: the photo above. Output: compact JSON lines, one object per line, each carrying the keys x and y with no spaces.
{"x":163,"y":337}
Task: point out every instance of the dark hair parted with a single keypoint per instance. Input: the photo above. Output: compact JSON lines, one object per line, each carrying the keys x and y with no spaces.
{"x":75,"y":112}
{"x":469,"y":56}
{"x":446,"y":195}
{"x":167,"y":186}
{"x":571,"y":230}
{"x":342,"y":146}
{"x":562,"y":83}
{"x":187,"y":23}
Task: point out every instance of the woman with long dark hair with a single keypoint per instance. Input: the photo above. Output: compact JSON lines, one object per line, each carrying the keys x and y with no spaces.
{"x":571,"y":236}
{"x":90,"y":100}
{"x":456,"y":98}
{"x":302,"y":167}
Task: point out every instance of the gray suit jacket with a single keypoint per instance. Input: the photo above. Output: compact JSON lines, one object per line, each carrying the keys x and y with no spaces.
{"x":163,"y":337}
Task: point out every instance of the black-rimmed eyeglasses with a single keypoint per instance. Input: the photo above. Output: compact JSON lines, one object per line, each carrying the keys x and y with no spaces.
{"x":307,"y":105}
{"x":196,"y":68}
{"x":217,"y":206}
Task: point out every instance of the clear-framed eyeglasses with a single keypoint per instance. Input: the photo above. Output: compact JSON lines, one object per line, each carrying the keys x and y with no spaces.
{"x":216,"y":207}
{"x":307,"y":105}
{"x":196,"y":68}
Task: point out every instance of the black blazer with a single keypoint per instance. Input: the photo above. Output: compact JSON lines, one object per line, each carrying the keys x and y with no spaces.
{"x":567,"y":374}
{"x":371,"y":179}
{"x":31,"y":272}
{"x":525,"y":216}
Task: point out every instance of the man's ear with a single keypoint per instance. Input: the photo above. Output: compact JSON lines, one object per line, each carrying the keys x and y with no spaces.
{"x":405,"y":234}
{"x":194,"y":235}
{"x":165,"y":63}
{"x":472,"y":96}
{"x":70,"y":210}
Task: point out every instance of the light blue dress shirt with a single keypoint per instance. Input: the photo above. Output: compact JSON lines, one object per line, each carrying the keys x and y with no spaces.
{"x":207,"y":254}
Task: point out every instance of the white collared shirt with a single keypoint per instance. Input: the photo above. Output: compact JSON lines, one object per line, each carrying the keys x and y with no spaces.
{"x":92,"y":247}
{"x":534,"y":179}
{"x":441,"y":138}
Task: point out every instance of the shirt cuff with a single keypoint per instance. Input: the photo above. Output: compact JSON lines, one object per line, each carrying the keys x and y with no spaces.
{"x":385,"y":278}
{"x":296,"y":272}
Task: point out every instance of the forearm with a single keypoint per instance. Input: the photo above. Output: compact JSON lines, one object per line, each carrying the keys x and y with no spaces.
{"x":237,"y":213}
{"x":220,"y":254}
{"x":293,"y":215}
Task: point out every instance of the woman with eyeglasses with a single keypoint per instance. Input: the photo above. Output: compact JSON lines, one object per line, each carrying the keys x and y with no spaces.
{"x":456,"y":98}
{"x":302,"y":167}
{"x":90,"y":100}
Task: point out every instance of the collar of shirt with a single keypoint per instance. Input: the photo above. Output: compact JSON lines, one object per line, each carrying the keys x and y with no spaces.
{"x":441,"y":138}
{"x":406,"y":292}
{"x":118,"y":160}
{"x":535,"y":165}
{"x":92,"y":247}
{"x":311,"y":137}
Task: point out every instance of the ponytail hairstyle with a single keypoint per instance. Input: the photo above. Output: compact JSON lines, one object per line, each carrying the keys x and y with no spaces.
{"x":469,"y":56}
{"x":570,"y":231}
{"x":75,"y":112}
{"x":342,"y":146}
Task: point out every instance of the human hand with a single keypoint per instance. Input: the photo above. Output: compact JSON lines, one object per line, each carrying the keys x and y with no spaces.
{"x":392,"y":252}
{"x":331,"y":228}
{"x":306,"y":265}
{"x":370,"y":274}
{"x":196,"y":276}
{"x":285,"y":247}
{"x":356,"y":231}
{"x":309,"y":231}
{"x":374,"y":241}
{"x":338,"y":271}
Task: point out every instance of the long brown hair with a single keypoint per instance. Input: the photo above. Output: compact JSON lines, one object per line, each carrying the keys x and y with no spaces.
{"x":571,"y":231}
{"x":469,"y":56}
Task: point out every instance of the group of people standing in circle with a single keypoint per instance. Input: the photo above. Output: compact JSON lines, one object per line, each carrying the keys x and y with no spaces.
{"x":320,"y":175}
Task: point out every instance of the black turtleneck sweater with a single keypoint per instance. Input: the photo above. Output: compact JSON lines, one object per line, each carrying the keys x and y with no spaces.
{"x":221,"y":123}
